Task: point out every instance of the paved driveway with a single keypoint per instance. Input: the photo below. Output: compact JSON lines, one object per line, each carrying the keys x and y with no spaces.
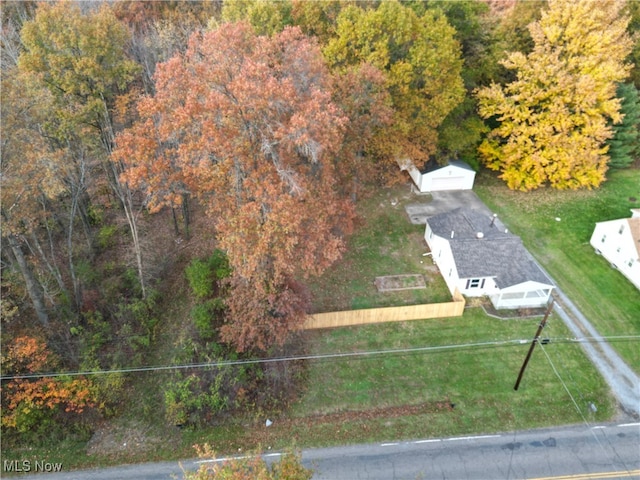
{"x":440,"y":202}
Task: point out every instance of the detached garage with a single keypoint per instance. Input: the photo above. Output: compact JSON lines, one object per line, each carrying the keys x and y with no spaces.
{"x":433,"y":177}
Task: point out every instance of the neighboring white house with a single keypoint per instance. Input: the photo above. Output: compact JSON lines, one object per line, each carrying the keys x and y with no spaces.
{"x":478,"y":258}
{"x":619,"y":242}
{"x":457,"y":175}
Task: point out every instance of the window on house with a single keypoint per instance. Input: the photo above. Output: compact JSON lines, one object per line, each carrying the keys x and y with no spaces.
{"x":604,"y":237}
{"x":631,"y":262}
{"x":450,"y":271}
{"x":621,"y":229}
{"x":618,"y":249}
{"x":475,"y":283}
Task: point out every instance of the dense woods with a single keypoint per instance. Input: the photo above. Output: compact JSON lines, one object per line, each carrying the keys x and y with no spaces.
{"x":213,"y":151}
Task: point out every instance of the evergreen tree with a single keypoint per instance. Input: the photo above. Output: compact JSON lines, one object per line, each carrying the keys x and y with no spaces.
{"x":623,"y":147}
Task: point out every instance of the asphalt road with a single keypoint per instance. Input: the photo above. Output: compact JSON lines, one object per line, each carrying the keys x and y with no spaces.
{"x":577,"y":453}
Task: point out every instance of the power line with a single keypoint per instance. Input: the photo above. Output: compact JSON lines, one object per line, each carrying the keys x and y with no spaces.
{"x":326,"y":356}
{"x":580,"y":412}
{"x":227,"y":363}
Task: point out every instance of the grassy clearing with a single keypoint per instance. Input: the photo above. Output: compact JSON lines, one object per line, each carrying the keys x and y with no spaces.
{"x":607,"y":299}
{"x":478,"y":380}
{"x":386,"y":243}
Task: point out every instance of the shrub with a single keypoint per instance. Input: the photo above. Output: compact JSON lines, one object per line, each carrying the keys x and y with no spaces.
{"x":200,"y":277}
{"x":289,"y":467}
{"x":192,"y":399}
{"x":203,"y":274}
{"x":219,"y":264}
{"x":107,"y":237}
{"x":205,"y":316}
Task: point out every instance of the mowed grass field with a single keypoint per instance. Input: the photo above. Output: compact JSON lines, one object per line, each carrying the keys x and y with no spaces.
{"x":462,"y":382}
{"x":602,"y":293}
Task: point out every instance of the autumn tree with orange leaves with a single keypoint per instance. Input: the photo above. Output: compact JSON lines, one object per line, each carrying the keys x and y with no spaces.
{"x":29,"y":405}
{"x":246,"y":123}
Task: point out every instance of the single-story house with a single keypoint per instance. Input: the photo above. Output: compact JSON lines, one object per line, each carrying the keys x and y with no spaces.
{"x":619,"y":242}
{"x":478,"y":258}
{"x":433,"y":177}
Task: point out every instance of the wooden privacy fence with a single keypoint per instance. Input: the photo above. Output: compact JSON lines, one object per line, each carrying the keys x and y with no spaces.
{"x":346,"y":318}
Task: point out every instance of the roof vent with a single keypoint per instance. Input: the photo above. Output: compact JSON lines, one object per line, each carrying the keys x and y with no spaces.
{"x":479,"y":235}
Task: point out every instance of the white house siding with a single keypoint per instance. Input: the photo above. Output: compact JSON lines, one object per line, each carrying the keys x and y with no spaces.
{"x":443,"y":258}
{"x":477,"y":287}
{"x":450,"y":177}
{"x":524,"y":295}
{"x":613,"y":240}
{"x":455,"y":176}
{"x":416,"y":176}
{"x":493,"y":264}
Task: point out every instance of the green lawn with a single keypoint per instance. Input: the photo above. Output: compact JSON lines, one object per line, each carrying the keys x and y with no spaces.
{"x":606,"y":298}
{"x":478,"y":380}
{"x":385,"y":243}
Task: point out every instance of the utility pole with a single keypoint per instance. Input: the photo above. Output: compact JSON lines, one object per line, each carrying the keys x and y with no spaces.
{"x":533,"y":344}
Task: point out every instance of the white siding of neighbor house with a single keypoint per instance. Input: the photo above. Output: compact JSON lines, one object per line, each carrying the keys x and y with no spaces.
{"x":613,"y":240}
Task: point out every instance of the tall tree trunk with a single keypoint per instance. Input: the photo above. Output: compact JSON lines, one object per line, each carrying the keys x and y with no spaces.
{"x":51,"y":265}
{"x":123,"y":192}
{"x":33,"y":287}
{"x":72,"y":269}
{"x":127,"y":201}
{"x":176,"y":228}
{"x":186,"y":215}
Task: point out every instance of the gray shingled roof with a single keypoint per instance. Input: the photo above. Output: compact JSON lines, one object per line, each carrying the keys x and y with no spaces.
{"x":497,"y":254}
{"x":465,"y":223}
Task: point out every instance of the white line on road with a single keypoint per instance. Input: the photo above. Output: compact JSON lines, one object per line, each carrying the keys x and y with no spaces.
{"x":629,"y":425}
{"x":471,"y":438}
{"x":239,"y":457}
{"x":389,"y":444}
{"x":428,"y":441}
{"x":597,"y":427}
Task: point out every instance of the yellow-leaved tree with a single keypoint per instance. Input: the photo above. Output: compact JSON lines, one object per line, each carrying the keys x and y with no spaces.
{"x":554,"y":119}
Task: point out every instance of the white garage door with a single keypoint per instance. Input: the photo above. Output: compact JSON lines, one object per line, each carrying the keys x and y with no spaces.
{"x":447,"y":183}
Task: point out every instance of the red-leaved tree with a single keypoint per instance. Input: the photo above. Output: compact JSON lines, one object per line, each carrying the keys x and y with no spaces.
{"x":29,"y":404}
{"x":246,"y":123}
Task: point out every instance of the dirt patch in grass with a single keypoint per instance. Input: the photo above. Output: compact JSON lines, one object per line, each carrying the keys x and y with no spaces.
{"x":270,"y":435}
{"x":111,"y":439}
